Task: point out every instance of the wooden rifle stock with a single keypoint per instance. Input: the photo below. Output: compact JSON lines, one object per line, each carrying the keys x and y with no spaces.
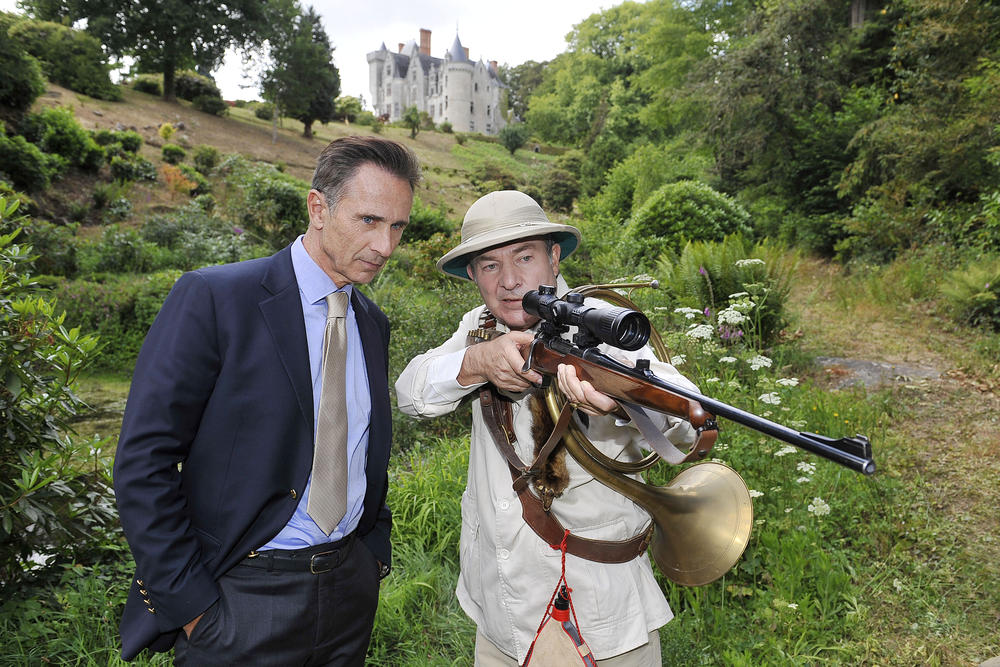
{"x":641,"y":386}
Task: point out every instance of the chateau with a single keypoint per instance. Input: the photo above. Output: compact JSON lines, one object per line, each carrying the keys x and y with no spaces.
{"x":453,"y":88}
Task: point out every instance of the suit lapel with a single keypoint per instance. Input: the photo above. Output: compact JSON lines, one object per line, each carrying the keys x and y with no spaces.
{"x":282,"y":312}
{"x":373,"y":344}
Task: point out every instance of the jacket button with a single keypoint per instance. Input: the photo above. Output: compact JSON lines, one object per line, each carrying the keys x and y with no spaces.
{"x":150,"y":610}
{"x":294,"y":494}
{"x":142,"y":591}
{"x":139,"y":581}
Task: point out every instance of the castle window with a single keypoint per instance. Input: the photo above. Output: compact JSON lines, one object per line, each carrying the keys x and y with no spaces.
{"x":472,"y":107}
{"x":477,"y":87}
{"x":487,"y":111}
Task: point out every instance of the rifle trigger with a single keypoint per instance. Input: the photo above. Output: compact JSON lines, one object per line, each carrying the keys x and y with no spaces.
{"x":531,"y":351}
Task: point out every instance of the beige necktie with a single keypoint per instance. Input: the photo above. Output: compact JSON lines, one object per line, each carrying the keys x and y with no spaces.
{"x":328,"y":493}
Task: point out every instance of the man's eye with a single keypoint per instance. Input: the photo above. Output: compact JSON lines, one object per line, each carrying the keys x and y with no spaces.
{"x":399,"y":226}
{"x":367,"y":219}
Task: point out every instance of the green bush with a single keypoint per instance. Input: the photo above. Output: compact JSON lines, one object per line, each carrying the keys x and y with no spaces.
{"x":489,"y":176}
{"x":56,"y":130}
{"x":678,"y":213}
{"x":739,"y":289}
{"x":269,"y":206}
{"x":149,"y":83}
{"x":426,"y":221}
{"x":71,"y":58}
{"x":22,"y":81}
{"x":198,"y":238}
{"x":205,"y":158}
{"x":445,"y":127}
{"x":132,"y":168}
{"x":189,"y":85}
{"x":120,"y":308}
{"x":54,"y":247}
{"x":559,"y":189}
{"x":120,"y":251}
{"x":201,"y":184}
{"x":52,"y":503}
{"x":973,"y":293}
{"x":24,"y":164}
{"x":264,"y":111}
{"x":128,"y":140}
{"x":513,"y":136}
{"x":211,"y":104}
{"x":172,"y":153}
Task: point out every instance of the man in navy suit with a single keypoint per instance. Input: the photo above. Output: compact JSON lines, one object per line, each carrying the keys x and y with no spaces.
{"x":213,"y":469}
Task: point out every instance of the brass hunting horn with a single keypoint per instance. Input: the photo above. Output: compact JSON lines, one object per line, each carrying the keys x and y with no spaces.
{"x":701,"y":519}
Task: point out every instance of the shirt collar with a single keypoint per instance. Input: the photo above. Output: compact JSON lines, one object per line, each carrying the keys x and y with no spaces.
{"x":314,"y":284}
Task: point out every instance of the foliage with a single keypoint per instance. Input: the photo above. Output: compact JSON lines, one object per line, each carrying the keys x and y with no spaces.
{"x":191,"y":85}
{"x":678,"y":213}
{"x":521,"y":81}
{"x":211,"y":104}
{"x":169,"y":38}
{"x":54,"y":246}
{"x":69,"y":57}
{"x":151,"y":84}
{"x":446,"y":127}
{"x":513,"y":136}
{"x":738,"y":289}
{"x":972,"y":292}
{"x":264,"y":111}
{"x":411,"y":120}
{"x":22,"y":81}
{"x":197,"y":238}
{"x":119,"y":250}
{"x":132,"y":168}
{"x":302,"y":79}
{"x":266,"y":204}
{"x":51,"y":505}
{"x":56,"y":130}
{"x":24,"y":164}
{"x":425,"y":221}
{"x":347,"y":108}
{"x":172,"y":153}
{"x":559,"y":189}
{"x":205,"y":158}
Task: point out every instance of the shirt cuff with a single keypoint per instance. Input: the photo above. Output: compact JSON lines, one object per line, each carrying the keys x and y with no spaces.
{"x":442,"y":378}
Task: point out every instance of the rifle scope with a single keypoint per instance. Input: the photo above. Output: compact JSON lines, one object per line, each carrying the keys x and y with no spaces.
{"x":619,"y":327}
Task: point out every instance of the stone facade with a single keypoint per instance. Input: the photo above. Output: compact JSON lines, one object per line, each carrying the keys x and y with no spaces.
{"x":452,"y":88}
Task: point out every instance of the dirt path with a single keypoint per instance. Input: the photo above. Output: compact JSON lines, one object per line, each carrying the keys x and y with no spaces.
{"x":944,"y":441}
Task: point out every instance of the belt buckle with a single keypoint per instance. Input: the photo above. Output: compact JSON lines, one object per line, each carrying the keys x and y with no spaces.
{"x":312,"y":562}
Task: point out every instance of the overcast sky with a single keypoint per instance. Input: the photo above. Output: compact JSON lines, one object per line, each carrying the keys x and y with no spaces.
{"x":509,"y":32}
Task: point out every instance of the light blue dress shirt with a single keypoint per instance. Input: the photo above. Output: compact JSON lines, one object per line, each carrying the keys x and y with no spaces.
{"x":314,"y":285}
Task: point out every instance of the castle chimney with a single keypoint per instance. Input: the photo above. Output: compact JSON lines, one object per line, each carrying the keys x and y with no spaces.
{"x":425,"y":41}
{"x":400,"y":47}
{"x":493,"y":66}
{"x":466,"y":49}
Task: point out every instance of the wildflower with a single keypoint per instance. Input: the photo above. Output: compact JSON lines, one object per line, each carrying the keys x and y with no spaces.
{"x":702,"y":271}
{"x":758,"y":362}
{"x":713,"y":380}
{"x":803,"y":480}
{"x":688,"y":312}
{"x":739,"y":295}
{"x":760,"y":522}
{"x":678,"y":360}
{"x":707,"y":312}
{"x":754,"y":493}
{"x":788,"y":510}
{"x":771,"y":398}
{"x":806,"y":467}
{"x":729,"y":333}
{"x":787,"y":449}
{"x":237,"y":231}
{"x":775,"y":489}
{"x":699,"y":331}
{"x":727,"y":360}
{"x":898,"y":585}
{"x":733,"y":384}
{"x":792,"y":605}
{"x":819,"y":507}
{"x":787,"y":382}
{"x":743,"y":263}
{"x":731,"y":316}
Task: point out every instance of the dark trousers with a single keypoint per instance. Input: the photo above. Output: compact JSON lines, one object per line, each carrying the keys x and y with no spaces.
{"x":280,"y":617}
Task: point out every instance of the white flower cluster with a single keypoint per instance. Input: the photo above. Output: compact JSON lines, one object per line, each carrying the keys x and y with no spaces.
{"x":787,"y":382}
{"x":700,"y":331}
{"x":727,"y":360}
{"x":731,"y":315}
{"x":806,"y":467}
{"x":678,"y":359}
{"x":759,"y":361}
{"x":689,"y":313}
{"x":743,"y":263}
{"x":771,"y":398}
{"x":784,"y":451}
{"x":754,"y":493}
{"x":819,"y":507}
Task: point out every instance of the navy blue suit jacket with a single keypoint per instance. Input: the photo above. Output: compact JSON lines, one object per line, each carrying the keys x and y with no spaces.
{"x":217,"y":439}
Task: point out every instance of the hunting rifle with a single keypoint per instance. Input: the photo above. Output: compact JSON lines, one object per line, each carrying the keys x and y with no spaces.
{"x":629,"y":329}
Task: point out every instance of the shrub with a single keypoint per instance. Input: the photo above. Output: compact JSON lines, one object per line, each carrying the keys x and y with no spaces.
{"x":513,"y":136}
{"x":175,"y":180}
{"x":201,"y":184}
{"x":212,"y":104}
{"x":972,"y":293}
{"x":559,"y":189}
{"x":172,"y":153}
{"x":120,"y":251}
{"x":131,"y":141}
{"x":190,"y":86}
{"x":24,"y":164}
{"x":678,"y":213}
{"x":197,"y":238}
{"x":445,"y":127}
{"x":426,"y":221}
{"x":742,"y":288}
{"x":270,"y":206}
{"x":22,"y":81}
{"x":54,"y":247}
{"x":489,"y":176}
{"x":71,"y":58}
{"x":132,"y":168}
{"x":56,"y":130}
{"x":264,"y":111}
{"x":166,"y":131}
{"x":365,"y":118}
{"x":51,"y":503}
{"x":149,"y":83}
{"x":205,"y":158}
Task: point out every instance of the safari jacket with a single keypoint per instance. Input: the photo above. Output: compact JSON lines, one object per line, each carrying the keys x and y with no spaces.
{"x":508,"y":573}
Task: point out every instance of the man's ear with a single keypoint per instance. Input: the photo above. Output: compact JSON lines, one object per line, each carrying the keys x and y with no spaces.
{"x":468,"y":269}
{"x":316,"y":206}
{"x":556,"y":252}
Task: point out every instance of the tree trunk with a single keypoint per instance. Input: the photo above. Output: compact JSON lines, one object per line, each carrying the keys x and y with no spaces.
{"x":307,"y":129}
{"x":169,"y":80}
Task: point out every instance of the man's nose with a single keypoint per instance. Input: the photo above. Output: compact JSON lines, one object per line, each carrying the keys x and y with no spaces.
{"x":382,"y":240}
{"x":510,"y":277}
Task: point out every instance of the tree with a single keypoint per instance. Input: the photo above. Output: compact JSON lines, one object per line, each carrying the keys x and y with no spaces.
{"x":302,"y":79}
{"x":513,"y":136}
{"x":22,"y":80}
{"x":521,"y":82}
{"x":168,"y":35}
{"x":347,"y":108}
{"x":411,"y":119}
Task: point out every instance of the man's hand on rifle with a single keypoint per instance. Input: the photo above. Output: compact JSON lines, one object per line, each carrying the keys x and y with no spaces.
{"x":499,"y":361}
{"x":581,"y":392}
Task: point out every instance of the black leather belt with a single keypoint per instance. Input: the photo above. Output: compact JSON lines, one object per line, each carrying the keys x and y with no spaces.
{"x":316,"y":559}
